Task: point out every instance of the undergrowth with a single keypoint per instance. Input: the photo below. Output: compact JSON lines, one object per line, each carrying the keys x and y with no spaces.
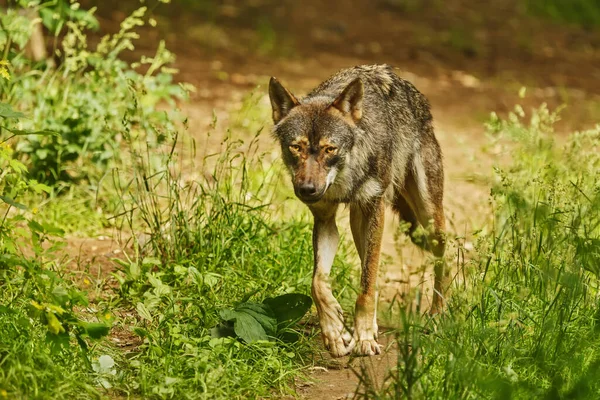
{"x":212,"y":241}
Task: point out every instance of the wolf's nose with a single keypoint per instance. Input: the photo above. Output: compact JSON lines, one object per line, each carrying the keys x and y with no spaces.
{"x":307,"y":190}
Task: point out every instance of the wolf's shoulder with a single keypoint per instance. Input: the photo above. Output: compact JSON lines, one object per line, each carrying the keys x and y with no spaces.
{"x":377,"y":79}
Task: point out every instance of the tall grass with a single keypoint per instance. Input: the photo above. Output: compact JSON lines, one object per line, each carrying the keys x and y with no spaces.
{"x":524,"y":321}
{"x":206,"y":238}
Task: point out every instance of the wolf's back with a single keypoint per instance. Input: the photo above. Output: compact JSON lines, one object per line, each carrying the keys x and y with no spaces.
{"x":386,"y":95}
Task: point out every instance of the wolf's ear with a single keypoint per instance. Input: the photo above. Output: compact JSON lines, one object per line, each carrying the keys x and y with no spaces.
{"x":282,"y":101}
{"x":350,"y":101}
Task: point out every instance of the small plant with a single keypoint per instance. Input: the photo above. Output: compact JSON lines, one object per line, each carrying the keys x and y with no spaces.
{"x":270,"y":319}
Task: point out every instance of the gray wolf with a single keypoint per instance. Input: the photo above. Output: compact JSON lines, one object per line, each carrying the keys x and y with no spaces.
{"x":364,"y":138}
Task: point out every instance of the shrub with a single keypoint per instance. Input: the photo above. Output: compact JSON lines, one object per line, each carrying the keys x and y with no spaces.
{"x":86,"y":97}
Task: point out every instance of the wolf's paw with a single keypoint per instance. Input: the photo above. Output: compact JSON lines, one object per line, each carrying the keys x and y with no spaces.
{"x":368,"y":347}
{"x":339,"y":344}
{"x":366,"y":341}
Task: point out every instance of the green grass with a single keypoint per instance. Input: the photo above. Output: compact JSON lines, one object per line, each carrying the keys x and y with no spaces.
{"x":214,"y":243}
{"x":523,"y":315}
{"x":45,"y":351}
{"x":584,"y":13}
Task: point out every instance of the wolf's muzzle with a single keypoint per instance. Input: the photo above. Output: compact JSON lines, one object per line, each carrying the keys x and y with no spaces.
{"x":309,"y":193}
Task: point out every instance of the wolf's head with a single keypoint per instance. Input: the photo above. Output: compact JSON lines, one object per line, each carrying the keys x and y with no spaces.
{"x":316,"y":135}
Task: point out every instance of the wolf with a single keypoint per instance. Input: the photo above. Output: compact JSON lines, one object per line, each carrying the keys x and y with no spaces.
{"x":363,"y":138}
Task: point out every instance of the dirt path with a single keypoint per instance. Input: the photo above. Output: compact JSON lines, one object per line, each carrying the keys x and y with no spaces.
{"x":468,"y":59}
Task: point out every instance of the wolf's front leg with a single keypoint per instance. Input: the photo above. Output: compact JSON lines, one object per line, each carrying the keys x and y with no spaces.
{"x":336,"y":338}
{"x":367,"y":223}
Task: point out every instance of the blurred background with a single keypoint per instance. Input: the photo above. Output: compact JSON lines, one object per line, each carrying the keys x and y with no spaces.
{"x":469,"y":57}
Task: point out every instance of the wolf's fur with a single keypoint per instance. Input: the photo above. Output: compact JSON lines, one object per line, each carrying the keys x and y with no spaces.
{"x":363,"y":137}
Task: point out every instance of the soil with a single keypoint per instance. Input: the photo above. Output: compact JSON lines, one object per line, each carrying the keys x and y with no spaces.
{"x":468,"y":59}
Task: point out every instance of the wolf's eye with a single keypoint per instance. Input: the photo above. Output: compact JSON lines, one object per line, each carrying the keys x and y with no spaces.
{"x":294,"y":147}
{"x":330,"y":150}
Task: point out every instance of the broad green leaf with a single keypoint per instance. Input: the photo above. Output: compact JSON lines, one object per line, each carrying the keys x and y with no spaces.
{"x":134,"y":270}
{"x":39,"y":187}
{"x":248,"y":328}
{"x":48,"y":19}
{"x":262,"y":314}
{"x":289,"y":308}
{"x":141,"y":332}
{"x":151,"y":261}
{"x":227,"y":314}
{"x":42,"y":153}
{"x":35,"y":227}
{"x":45,"y":228}
{"x":18,"y":166}
{"x":251,"y":321}
{"x":58,"y":341}
{"x":52,"y":229}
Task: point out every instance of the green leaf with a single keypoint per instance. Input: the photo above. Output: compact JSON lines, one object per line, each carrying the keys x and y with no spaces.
{"x":143,"y":311}
{"x":6,"y":111}
{"x":19,"y":132}
{"x":141,"y":332}
{"x":58,"y":342}
{"x":17,"y":166}
{"x":39,"y":187}
{"x":251,"y":321}
{"x":262,"y":314}
{"x":227,"y":314}
{"x":95,"y":330}
{"x":289,"y":308}
{"x":151,"y":261}
{"x":48,"y":20}
{"x":45,"y":228}
{"x":54,"y":325}
{"x":42,"y":153}
{"x":248,"y":328}
{"x":13,"y":203}
{"x":35,"y":227}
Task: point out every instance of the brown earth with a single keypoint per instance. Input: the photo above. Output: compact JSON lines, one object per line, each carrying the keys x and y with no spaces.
{"x":469,"y":59}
